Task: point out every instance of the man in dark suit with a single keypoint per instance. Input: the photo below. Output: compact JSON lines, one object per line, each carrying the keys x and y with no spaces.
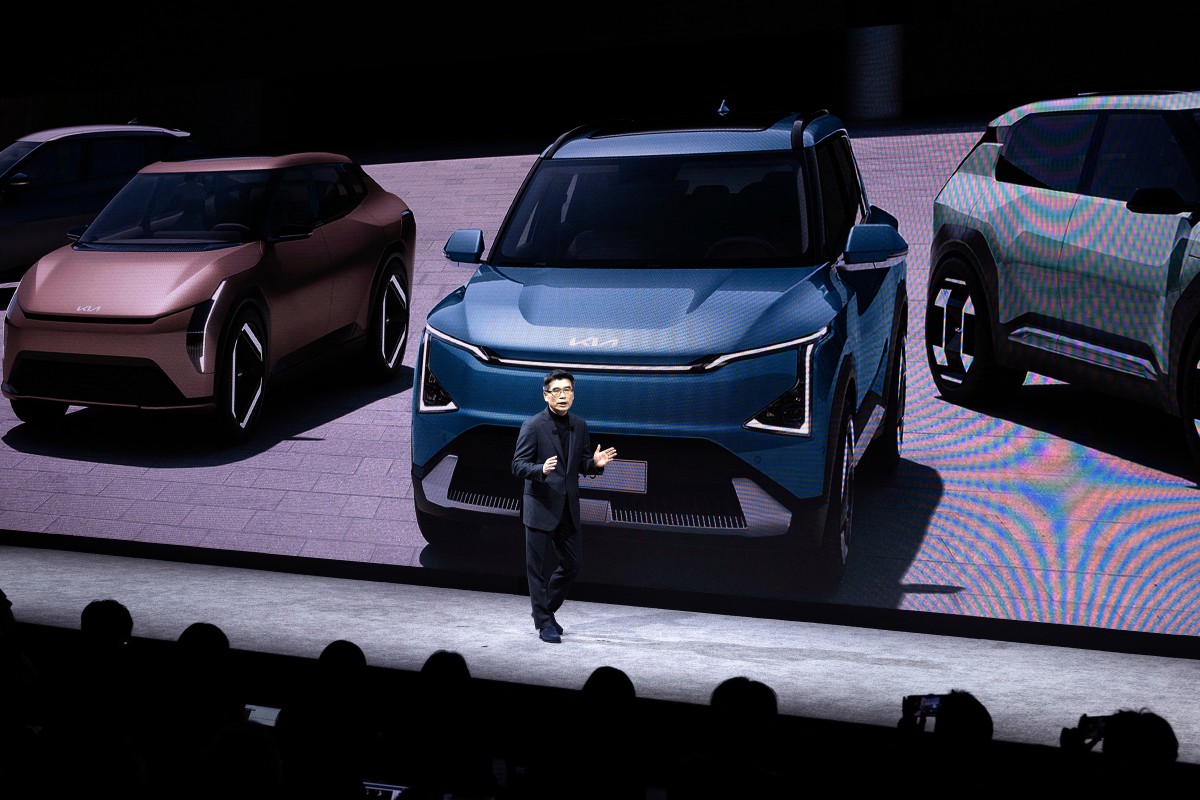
{"x":552,"y":451}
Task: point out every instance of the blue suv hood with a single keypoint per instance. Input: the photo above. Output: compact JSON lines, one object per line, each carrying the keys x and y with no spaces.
{"x":634,"y":316}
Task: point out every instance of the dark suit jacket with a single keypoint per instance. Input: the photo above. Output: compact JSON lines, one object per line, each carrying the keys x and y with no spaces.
{"x":545,"y":495}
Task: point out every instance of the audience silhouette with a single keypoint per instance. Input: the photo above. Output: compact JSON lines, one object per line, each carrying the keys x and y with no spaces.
{"x":93,"y":726}
{"x":1139,"y":738}
{"x":198,"y":695}
{"x":106,"y":626}
{"x":439,"y":740}
{"x":87,"y":757}
{"x":21,"y":701}
{"x":242,"y":761}
{"x":963,"y":721}
{"x":105,"y":686}
{"x":1138,"y":751}
{"x":81,"y":725}
{"x":19,"y":676}
{"x":731,"y":762}
{"x":603,"y":745}
{"x":326,"y":732}
{"x":959,"y":746}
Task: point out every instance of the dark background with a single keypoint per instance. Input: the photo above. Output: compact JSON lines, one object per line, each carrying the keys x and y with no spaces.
{"x":396,"y":77}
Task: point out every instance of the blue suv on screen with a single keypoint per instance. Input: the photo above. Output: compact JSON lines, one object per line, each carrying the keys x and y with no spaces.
{"x":733,"y":309}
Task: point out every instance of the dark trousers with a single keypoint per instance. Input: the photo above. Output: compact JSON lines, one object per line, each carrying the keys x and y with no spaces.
{"x":548,"y":594}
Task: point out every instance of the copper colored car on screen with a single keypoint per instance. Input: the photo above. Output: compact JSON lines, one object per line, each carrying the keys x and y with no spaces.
{"x":202,"y":280}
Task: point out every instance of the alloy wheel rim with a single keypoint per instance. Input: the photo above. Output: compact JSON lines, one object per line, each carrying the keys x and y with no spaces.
{"x":393,"y":327}
{"x":246,"y":375}
{"x":846,"y":512}
{"x":954,"y":345}
{"x":901,"y":393}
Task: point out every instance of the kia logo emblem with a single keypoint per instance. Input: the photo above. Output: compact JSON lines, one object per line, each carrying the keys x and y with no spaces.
{"x":592,"y":341}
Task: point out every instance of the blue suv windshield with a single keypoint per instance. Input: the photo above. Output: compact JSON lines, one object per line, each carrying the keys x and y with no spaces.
{"x":660,"y":211}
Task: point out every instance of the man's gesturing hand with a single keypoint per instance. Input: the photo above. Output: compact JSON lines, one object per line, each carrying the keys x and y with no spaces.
{"x":602,"y":457}
{"x":550,"y":464}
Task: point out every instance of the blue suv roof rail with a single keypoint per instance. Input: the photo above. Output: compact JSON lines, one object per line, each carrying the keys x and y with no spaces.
{"x":575,"y":133}
{"x":743,"y":121}
{"x":801,"y":124}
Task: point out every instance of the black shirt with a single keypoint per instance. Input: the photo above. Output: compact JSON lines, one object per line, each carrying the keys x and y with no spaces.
{"x":562,"y":426}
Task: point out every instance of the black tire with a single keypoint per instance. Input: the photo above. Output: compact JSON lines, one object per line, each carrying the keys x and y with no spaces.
{"x":387,"y":331}
{"x":441,"y":532}
{"x":883,"y":454}
{"x":958,"y":337}
{"x":1189,"y":399}
{"x":839,"y":519}
{"x":241,"y":375}
{"x":38,"y":412}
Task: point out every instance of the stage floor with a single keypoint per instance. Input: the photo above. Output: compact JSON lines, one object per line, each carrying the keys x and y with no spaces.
{"x":671,"y":651}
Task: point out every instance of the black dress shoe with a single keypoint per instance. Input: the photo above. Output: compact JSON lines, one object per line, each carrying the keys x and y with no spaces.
{"x":557,"y":627}
{"x":549,"y":634}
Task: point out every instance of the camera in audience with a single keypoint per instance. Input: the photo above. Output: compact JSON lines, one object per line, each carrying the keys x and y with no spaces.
{"x":1085,"y":735}
{"x":916,"y":708}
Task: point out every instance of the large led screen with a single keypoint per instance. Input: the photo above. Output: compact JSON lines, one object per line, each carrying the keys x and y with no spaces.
{"x":1053,"y":503}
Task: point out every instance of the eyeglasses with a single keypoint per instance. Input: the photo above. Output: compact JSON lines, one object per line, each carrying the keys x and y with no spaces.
{"x":560,"y":391}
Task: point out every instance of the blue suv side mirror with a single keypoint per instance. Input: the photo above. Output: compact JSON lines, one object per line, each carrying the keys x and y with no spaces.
{"x":874,"y":246}
{"x":464,"y":245}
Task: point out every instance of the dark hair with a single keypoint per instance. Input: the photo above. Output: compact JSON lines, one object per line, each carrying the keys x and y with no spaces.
{"x":445,"y":671}
{"x":1139,"y":736}
{"x":106,"y":622}
{"x":556,"y":375}
{"x":342,"y":656}
{"x":744,"y":698}
{"x":204,"y":637}
{"x":6,"y":615}
{"x":608,"y":685}
{"x":963,"y":717}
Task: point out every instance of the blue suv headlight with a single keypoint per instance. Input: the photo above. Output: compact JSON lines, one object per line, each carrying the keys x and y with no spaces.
{"x":791,"y":412}
{"x":433,"y":397}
